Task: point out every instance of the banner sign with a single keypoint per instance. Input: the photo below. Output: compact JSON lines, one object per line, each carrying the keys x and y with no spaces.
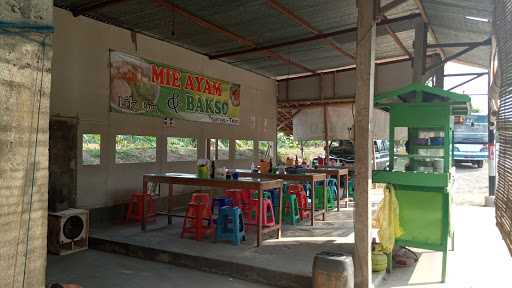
{"x":144,"y":87}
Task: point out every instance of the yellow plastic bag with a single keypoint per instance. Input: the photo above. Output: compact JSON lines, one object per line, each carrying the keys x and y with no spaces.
{"x":387,"y":220}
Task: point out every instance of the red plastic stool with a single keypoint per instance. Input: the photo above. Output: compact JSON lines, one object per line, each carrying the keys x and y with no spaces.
{"x":302,"y":200}
{"x":268,"y":210}
{"x":135,"y":210}
{"x":198,"y":212}
{"x":235,"y":195}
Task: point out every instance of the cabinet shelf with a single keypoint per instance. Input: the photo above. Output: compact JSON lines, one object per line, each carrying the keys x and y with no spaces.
{"x":417,"y":156}
{"x":429,"y":146}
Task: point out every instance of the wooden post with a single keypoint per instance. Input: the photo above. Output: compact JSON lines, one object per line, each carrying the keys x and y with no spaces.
{"x":439,"y":72}
{"x":365,"y":76}
{"x":420,"y":51}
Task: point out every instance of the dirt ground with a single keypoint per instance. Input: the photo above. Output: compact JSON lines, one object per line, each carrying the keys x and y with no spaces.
{"x":471,"y":185}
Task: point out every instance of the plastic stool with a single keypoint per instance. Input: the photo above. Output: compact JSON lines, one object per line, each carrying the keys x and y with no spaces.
{"x":135,"y":210}
{"x":319,"y":197}
{"x":230,"y":225}
{"x":198,"y":210}
{"x":274,"y":196}
{"x":252,"y":217}
{"x":235,"y":195}
{"x":302,"y":201}
{"x":291,"y":210}
{"x":219,"y":202}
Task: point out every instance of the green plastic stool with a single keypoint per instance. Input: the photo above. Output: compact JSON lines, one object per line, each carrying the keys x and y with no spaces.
{"x":291,"y":210}
{"x":319,"y":197}
{"x":351,"y":191}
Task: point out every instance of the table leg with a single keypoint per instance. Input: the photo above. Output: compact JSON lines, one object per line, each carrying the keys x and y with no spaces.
{"x":346,"y":190}
{"x":144,"y":191}
{"x":338,"y":191}
{"x":260,"y":217}
{"x":280,"y":212}
{"x":170,"y":204}
{"x":313,"y":183}
{"x":325,"y":200}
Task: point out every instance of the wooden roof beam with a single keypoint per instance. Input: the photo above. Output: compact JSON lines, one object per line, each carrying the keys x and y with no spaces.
{"x":397,"y":40}
{"x":427,"y":21}
{"x":302,"y":22}
{"x":90,"y":6}
{"x":347,"y":35}
{"x":391,"y":5}
{"x":231,"y":35}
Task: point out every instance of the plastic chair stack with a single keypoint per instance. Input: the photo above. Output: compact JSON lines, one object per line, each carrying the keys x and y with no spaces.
{"x":230,"y":225}
{"x":319,"y":197}
{"x":302,"y":200}
{"x":291,"y":209}
{"x":198,"y":218}
{"x":135,"y":207}
{"x":268,"y":218}
{"x":219,"y":202}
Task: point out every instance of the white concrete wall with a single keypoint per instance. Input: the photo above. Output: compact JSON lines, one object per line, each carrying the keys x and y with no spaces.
{"x":388,"y":77}
{"x":80,"y":87}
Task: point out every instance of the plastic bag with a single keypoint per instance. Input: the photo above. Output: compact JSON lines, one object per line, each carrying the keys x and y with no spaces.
{"x":387,"y":220}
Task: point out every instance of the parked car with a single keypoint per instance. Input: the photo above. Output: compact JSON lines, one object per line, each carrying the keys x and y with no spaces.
{"x":343,"y":151}
{"x":471,"y":140}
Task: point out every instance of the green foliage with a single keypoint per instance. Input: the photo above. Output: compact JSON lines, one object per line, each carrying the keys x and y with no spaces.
{"x":173,"y":142}
{"x":91,"y":139}
{"x":134,"y":141}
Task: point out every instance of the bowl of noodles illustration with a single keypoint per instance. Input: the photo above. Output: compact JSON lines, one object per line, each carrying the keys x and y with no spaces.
{"x":131,"y":89}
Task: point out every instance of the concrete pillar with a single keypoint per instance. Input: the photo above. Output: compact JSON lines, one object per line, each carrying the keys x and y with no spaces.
{"x":24,"y":113}
{"x":365,"y":78}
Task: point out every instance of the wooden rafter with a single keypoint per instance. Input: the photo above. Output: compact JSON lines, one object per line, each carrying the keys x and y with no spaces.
{"x":397,"y":40}
{"x":424,"y":16}
{"x":391,"y":5}
{"x":231,"y":35}
{"x":302,"y":22}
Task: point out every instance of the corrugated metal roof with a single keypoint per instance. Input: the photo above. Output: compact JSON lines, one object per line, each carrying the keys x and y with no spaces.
{"x":261,"y":24}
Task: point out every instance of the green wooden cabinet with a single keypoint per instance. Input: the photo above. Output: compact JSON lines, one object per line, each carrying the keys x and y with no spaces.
{"x":420,"y":168}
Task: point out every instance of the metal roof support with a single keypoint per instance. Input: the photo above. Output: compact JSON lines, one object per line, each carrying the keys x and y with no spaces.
{"x":365,"y":79}
{"x":426,"y":20}
{"x":467,"y":81}
{"x":214,"y":27}
{"x":302,"y":22}
{"x":349,"y":34}
{"x":460,"y":53}
{"x":87,"y":7}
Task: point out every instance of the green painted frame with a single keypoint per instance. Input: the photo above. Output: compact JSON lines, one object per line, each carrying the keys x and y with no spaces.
{"x":424,"y":197}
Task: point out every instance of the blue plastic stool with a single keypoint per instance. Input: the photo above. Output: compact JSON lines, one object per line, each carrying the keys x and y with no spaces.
{"x":333,"y":187}
{"x":219,"y":202}
{"x":230,"y":225}
{"x":274,"y":195}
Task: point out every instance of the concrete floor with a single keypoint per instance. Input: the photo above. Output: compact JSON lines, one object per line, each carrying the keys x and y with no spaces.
{"x":480,"y":259}
{"x":293,"y":253}
{"x":95,"y":269}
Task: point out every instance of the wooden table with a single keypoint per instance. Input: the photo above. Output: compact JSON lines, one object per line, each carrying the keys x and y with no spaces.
{"x":338,"y":173}
{"x":308,"y":177}
{"x":257,"y":183}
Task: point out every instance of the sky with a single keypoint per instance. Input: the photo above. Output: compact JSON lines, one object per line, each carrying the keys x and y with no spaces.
{"x":476,"y":89}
